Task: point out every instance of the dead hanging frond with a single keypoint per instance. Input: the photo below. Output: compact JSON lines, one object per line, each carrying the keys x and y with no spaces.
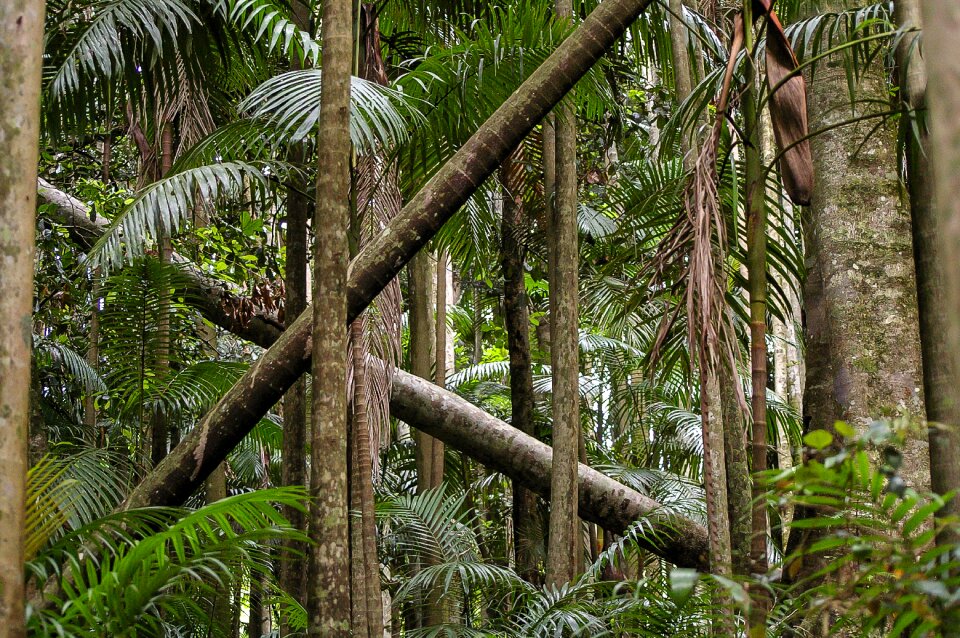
{"x":788,"y":108}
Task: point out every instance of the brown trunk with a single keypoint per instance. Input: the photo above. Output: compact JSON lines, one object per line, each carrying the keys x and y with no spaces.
{"x":564,"y":545}
{"x":293,"y":471}
{"x":21,"y":48}
{"x":517,"y":323}
{"x":328,"y":603}
{"x":253,"y":395}
{"x":422,"y":342}
{"x":221,"y":610}
{"x":940,"y":378}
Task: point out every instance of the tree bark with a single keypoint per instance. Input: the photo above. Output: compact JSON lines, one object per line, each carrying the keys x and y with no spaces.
{"x":269,"y":377}
{"x":528,"y":462}
{"x":862,"y":343}
{"x":21,"y":48}
{"x":564,"y":545}
{"x":422,"y":341}
{"x":940,"y":371}
{"x":517,"y":322}
{"x":328,"y":602}
{"x":293,"y":471}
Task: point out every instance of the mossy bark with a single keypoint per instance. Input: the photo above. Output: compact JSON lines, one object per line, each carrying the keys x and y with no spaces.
{"x":21,"y":48}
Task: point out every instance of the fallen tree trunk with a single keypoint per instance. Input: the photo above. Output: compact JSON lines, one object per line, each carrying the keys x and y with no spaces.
{"x":446,"y":416}
{"x":527,"y":461}
{"x":178,"y":475}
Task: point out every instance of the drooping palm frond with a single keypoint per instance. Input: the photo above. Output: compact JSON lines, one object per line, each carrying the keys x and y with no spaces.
{"x":49,"y":353}
{"x":166,"y":205}
{"x":157,"y":566}
{"x":270,"y":21}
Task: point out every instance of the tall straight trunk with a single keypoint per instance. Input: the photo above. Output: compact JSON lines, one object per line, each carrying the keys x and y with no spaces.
{"x":21,"y":48}
{"x":517,"y":323}
{"x":160,"y":421}
{"x":273,"y":373}
{"x":328,"y":602}
{"x":757,"y":275}
{"x":220,"y":612}
{"x":862,"y":343}
{"x":940,"y":371}
{"x":422,"y":341}
{"x":564,"y":544}
{"x":735,"y":444}
{"x":293,"y":471}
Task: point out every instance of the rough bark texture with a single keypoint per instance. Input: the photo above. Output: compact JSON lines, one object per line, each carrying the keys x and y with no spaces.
{"x":517,"y":321}
{"x":862,"y":344}
{"x":527,"y":461}
{"x":940,"y":378}
{"x":422,"y":341}
{"x":328,"y":602}
{"x":563,"y":545}
{"x":293,"y":579}
{"x":21,"y":46}
{"x":273,"y":373}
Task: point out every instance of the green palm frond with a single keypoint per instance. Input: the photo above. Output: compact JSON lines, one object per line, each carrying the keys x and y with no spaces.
{"x":290,"y":102}
{"x":431,"y":525}
{"x":269,"y":22}
{"x":156,"y":564}
{"x":168,"y":204}
{"x":54,"y":353}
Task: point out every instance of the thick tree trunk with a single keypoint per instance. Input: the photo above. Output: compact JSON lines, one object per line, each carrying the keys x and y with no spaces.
{"x":328,"y":602}
{"x":528,"y":462}
{"x":21,"y":48}
{"x":422,"y":297}
{"x":269,"y":377}
{"x":940,"y":371}
{"x":564,"y":545}
{"x":862,"y":344}
{"x":517,"y":323}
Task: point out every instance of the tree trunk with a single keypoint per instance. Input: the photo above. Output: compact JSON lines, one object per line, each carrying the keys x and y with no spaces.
{"x":862,"y":344}
{"x":564,"y":539}
{"x":270,"y":376}
{"x":940,"y":378}
{"x":528,"y":462}
{"x":21,"y":48}
{"x":517,"y":323}
{"x":328,"y":603}
{"x":293,"y":471}
{"x":429,"y":453}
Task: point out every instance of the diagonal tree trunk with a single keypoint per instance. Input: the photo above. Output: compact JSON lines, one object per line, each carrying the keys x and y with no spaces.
{"x":21,"y":48}
{"x":328,"y":600}
{"x":271,"y":375}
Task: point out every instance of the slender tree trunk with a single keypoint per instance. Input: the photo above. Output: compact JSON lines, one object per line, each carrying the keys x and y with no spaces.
{"x":21,"y":48}
{"x":735,"y":445}
{"x":564,"y":542}
{"x":293,"y":471}
{"x":221,"y":610}
{"x":517,"y":323}
{"x":328,"y":604}
{"x":940,"y":371}
{"x":160,"y":421}
{"x":422,"y":342}
{"x":272,"y":374}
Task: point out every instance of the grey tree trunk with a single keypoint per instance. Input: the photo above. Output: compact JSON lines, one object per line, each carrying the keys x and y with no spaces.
{"x":564,"y":545}
{"x":21,"y":48}
{"x":940,"y":372}
{"x":422,"y":299}
{"x":862,"y":343}
{"x":328,"y":602}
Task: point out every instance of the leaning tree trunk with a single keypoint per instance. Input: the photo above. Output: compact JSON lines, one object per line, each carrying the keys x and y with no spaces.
{"x":862,"y":344}
{"x":517,"y":322}
{"x":564,"y":545}
{"x":940,"y":368}
{"x":273,"y":373}
{"x":328,"y":602}
{"x":21,"y":48}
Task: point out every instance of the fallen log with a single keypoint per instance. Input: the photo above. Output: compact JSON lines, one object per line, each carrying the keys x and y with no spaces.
{"x":527,"y":461}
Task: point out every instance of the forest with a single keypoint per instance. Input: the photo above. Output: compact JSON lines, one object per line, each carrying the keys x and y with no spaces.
{"x":452,"y":318}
